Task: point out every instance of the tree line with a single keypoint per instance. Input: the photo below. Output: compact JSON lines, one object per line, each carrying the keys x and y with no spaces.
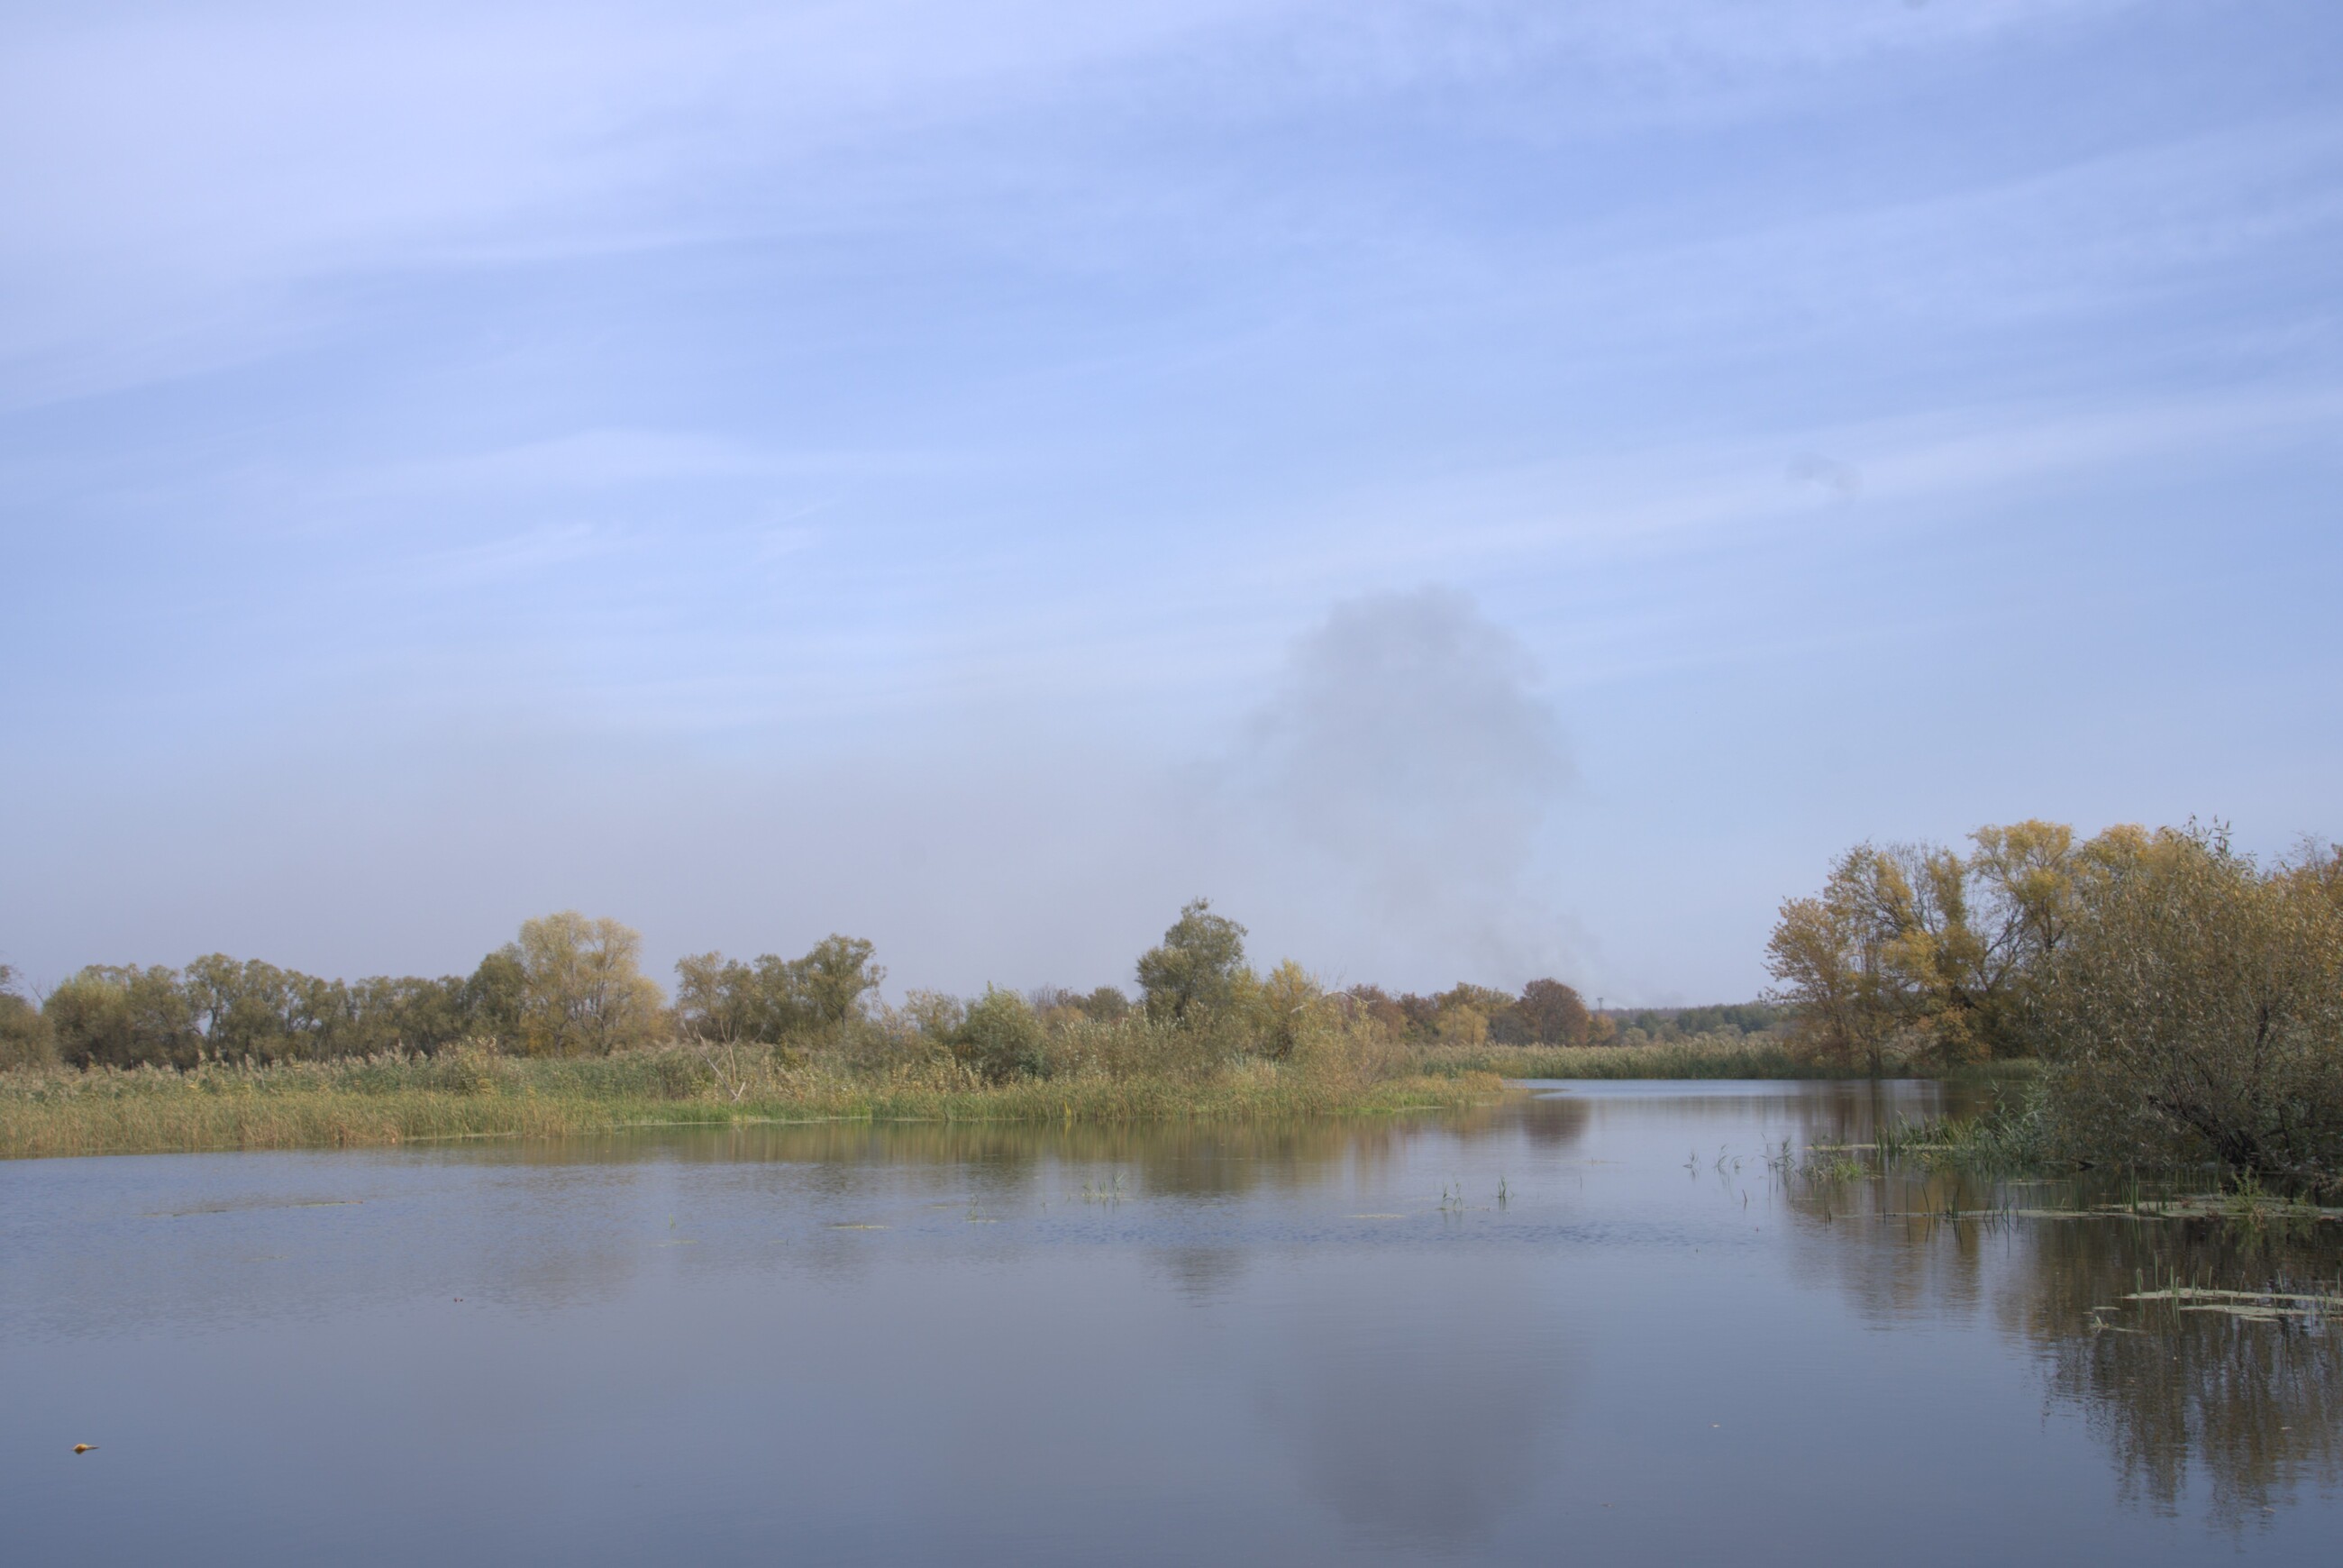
{"x":2187,"y":998}
{"x":571,"y":985}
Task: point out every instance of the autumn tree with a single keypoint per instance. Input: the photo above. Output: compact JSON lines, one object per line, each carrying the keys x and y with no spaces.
{"x":1288,"y":1002}
{"x":1374,"y":1003}
{"x":124,"y":1016}
{"x":2194,"y":1009}
{"x":1829,"y":955}
{"x":582,"y":993}
{"x":1550,"y":1013}
{"x":1919,"y":951}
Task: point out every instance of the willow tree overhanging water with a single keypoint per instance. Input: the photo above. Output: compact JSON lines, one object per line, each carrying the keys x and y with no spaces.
{"x":2186,"y":999}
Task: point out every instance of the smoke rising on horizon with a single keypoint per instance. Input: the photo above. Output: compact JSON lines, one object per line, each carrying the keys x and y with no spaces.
{"x":1404,"y":766}
{"x":1375,"y":812}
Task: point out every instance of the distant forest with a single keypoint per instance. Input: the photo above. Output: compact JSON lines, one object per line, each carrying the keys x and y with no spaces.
{"x":572,"y":985}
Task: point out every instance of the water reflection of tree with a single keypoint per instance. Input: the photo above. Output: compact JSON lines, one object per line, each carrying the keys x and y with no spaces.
{"x":2180,"y":1393}
{"x":2254,"y":1406}
{"x":1204,"y":1159}
{"x":1550,"y":1121}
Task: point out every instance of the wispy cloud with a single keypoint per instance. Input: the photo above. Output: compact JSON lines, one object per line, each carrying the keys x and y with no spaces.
{"x":193,"y":177}
{"x":882,"y":451}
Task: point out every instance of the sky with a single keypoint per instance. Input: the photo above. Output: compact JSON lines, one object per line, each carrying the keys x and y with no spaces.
{"x":1479,"y":490}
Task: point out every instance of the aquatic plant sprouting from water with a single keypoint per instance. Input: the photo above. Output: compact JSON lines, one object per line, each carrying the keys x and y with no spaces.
{"x":1832,"y":1166}
{"x":1095,"y":1192}
{"x":2011,"y":1138}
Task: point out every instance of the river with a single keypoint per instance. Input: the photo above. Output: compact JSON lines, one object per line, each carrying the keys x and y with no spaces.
{"x":1590,"y":1325}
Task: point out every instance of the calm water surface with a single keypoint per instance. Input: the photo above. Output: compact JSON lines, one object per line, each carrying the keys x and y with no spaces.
{"x":1319,"y":1344}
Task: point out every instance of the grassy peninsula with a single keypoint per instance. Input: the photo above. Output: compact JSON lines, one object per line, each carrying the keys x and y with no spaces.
{"x":470,"y":1091}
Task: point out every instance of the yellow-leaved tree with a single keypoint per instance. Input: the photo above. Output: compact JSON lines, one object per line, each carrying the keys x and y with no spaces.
{"x":582,"y":991}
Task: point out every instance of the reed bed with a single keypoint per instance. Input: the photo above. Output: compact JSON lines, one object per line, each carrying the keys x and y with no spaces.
{"x":402,"y":1098}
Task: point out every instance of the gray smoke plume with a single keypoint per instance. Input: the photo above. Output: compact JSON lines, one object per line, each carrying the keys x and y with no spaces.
{"x":1406,"y":762}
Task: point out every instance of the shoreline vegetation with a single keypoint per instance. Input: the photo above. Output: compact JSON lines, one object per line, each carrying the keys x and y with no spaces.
{"x":2186,"y":998}
{"x":471,"y":1092}
{"x":559,"y":1032}
{"x":474,"y":1091}
{"x":2155,"y":1000}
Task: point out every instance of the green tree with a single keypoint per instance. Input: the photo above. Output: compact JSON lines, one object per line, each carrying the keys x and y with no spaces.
{"x":493,"y":999}
{"x":123,"y":1016}
{"x":25,"y":1037}
{"x":831,"y":981}
{"x":714,"y":998}
{"x":408,"y":1012}
{"x":1002,"y":1037}
{"x":776,"y":1000}
{"x":1197,"y":970}
{"x":254,"y":1010}
{"x":1105,"y":1004}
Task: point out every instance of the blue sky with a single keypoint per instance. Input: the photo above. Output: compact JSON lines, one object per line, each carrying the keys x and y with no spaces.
{"x":1480,"y":489}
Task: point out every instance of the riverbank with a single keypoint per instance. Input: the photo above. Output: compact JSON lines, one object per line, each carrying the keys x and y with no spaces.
{"x":389,"y":1101}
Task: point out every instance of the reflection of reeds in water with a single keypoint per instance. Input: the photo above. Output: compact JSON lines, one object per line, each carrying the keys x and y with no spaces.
{"x":1005,"y":1160}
